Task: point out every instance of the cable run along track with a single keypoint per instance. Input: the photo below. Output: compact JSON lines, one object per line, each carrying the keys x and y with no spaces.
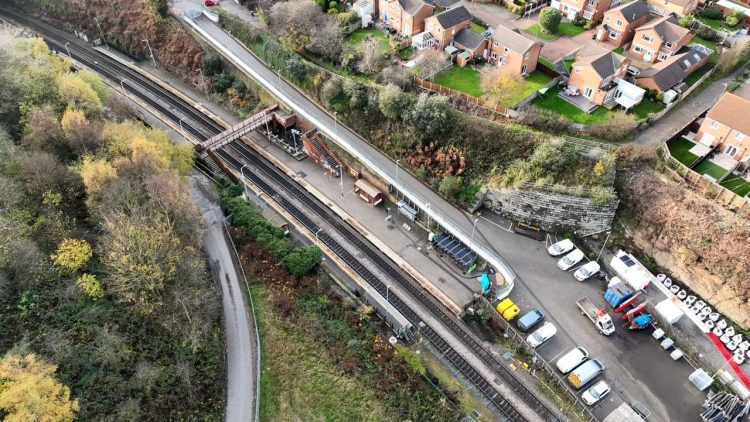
{"x":202,"y":127}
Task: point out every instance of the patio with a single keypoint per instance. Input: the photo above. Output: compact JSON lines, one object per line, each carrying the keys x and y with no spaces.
{"x":724,"y":161}
{"x":581,"y":102}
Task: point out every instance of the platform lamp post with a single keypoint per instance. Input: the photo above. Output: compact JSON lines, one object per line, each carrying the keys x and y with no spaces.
{"x":182,"y":129}
{"x":98,"y":25}
{"x":317,"y":241}
{"x":244,"y":185}
{"x":203,"y":81}
{"x":341,"y":179}
{"x":151,"y":52}
{"x":473,"y":229}
{"x":396,"y":187}
{"x":68,"y":50}
{"x":387,"y":292}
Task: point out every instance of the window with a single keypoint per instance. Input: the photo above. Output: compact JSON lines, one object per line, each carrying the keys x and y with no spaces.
{"x":588,"y":92}
{"x":613,"y":35}
{"x":668,"y":44}
{"x":714,"y":124}
{"x":730,"y":150}
{"x":587,"y":14}
{"x":523,"y":69}
{"x":662,"y":56}
{"x":606,"y":80}
{"x":738,"y":136}
{"x":647,"y":38}
{"x":638,"y":49}
{"x":618,"y":23}
{"x":592,"y":2}
{"x":494,"y":55}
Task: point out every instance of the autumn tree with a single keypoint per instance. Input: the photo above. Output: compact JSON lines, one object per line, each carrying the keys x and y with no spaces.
{"x":42,"y":130}
{"x":41,"y":172}
{"x":393,"y":102}
{"x":501,"y":86}
{"x":78,"y":94}
{"x":97,"y":175}
{"x":72,"y":255}
{"x":81,"y":135}
{"x":433,"y":61}
{"x":90,"y":286}
{"x":30,"y":392}
{"x":371,"y":56}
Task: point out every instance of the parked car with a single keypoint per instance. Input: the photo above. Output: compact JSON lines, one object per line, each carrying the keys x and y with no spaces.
{"x":541,"y":335}
{"x":572,"y":359}
{"x":210,"y":3}
{"x":587,"y":271}
{"x":585,"y":373}
{"x":568,"y":261}
{"x":561,"y":247}
{"x":529,"y":320}
{"x":596,"y":393}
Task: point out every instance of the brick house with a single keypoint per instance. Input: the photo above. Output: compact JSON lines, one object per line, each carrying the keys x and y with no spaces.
{"x":671,"y":72}
{"x":596,"y":73}
{"x":592,"y":10}
{"x":445,"y":25}
{"x":678,"y":7}
{"x":407,"y":17}
{"x":727,"y":126}
{"x":659,"y":39}
{"x":513,"y":51}
{"x":472,"y":43}
{"x":619,"y":24}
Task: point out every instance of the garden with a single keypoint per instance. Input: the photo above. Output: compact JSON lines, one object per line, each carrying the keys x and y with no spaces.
{"x":679,"y":149}
{"x":469,"y":81}
{"x":550,"y":26}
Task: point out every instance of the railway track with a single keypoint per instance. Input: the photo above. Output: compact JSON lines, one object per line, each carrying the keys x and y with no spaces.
{"x":202,"y":127}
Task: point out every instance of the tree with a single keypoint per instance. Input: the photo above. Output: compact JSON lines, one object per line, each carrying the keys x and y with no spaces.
{"x":326,"y":41}
{"x":81,"y":135}
{"x":78,"y":94}
{"x":212,"y":65}
{"x":40,"y":173}
{"x":549,"y":20}
{"x":371,"y":55}
{"x":42,"y":130}
{"x":95,"y":82}
{"x":140,"y":255}
{"x":433,"y":62}
{"x":395,"y":75}
{"x":431,"y":114}
{"x":296,"y":69}
{"x":30,"y":392}
{"x":72,"y":255}
{"x":97,"y":175}
{"x":90,"y":286}
{"x":730,"y":59}
{"x":450,"y":186}
{"x":222,"y":82}
{"x":393,"y":102}
{"x":501,"y":86}
{"x":301,"y":260}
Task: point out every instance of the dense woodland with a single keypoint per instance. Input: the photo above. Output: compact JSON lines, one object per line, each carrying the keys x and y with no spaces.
{"x":107,"y":310}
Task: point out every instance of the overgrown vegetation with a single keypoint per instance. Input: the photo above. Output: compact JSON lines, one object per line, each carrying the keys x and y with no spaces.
{"x":101,"y":271}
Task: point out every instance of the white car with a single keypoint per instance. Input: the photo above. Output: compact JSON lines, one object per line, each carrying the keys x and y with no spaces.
{"x":587,"y":271}
{"x":597,"y":392}
{"x":569,"y":260}
{"x":541,"y":335}
{"x":561,"y":247}
{"x":572,"y":359}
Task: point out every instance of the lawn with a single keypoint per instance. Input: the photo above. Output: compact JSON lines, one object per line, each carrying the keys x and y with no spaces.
{"x":533,"y":82}
{"x":737,"y":185}
{"x":464,"y":79}
{"x":550,"y":101}
{"x":680,"y":150}
{"x":710,"y":169}
{"x":569,"y":64}
{"x":647,"y":107}
{"x":546,"y":62}
{"x":566,"y":29}
{"x":356,"y":38}
{"x":619,"y":50}
{"x":693,"y":77}
{"x":477,"y":27}
{"x":406,"y":53}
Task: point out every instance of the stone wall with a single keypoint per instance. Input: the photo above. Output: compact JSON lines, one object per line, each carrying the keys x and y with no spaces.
{"x":552,"y":210}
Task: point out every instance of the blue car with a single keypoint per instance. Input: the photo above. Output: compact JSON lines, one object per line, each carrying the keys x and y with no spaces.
{"x":529,"y":320}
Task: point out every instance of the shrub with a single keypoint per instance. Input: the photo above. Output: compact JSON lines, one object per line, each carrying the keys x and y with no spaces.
{"x":295,"y":68}
{"x":240,"y":88}
{"x":332,"y":5}
{"x":711,"y":13}
{"x":301,"y":260}
{"x":222,"y":82}
{"x":734,"y":18}
{"x":706,"y":33}
{"x":686,"y":21}
{"x":549,"y":20}
{"x":580,"y":22}
{"x":450,"y":186}
{"x":516,"y":9}
{"x":589,"y":25}
{"x":90,"y":286}
{"x":212,"y":65}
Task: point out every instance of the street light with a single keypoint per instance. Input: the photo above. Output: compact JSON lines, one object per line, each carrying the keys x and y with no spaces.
{"x":397,"y":161}
{"x":317,"y":241}
{"x":203,"y":81}
{"x":68,"y":50}
{"x":151,"y":52}
{"x":387,"y":291}
{"x":244,"y":185}
{"x":104,"y":40}
{"x":341,"y":180}
{"x":472,"y":232}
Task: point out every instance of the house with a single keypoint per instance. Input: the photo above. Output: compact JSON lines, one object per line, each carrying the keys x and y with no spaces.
{"x":619,"y":24}
{"x":598,"y":75}
{"x":727,"y":127}
{"x":407,"y":17}
{"x":365,"y":10}
{"x":444,"y":26}
{"x":659,"y":39}
{"x":592,"y":10}
{"x":473,"y":44}
{"x":668,"y":7}
{"x":671,"y":72}
{"x":513,"y":51}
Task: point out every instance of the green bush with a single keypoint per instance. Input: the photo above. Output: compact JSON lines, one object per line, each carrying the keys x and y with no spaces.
{"x":222,"y":82}
{"x":686,"y":21}
{"x":301,"y":260}
{"x":711,"y":13}
{"x":450,"y":186}
{"x":240,"y":88}
{"x":332,"y":5}
{"x":734,"y":19}
{"x":706,"y":33}
{"x":549,"y":20}
{"x":212,"y":65}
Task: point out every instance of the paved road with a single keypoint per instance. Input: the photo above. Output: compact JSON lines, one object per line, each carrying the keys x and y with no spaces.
{"x":241,"y":346}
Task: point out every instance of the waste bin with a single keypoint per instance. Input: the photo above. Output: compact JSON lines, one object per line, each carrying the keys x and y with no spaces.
{"x":667,"y":343}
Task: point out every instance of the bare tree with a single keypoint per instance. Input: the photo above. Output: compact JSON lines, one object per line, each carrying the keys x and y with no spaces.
{"x":433,"y":61}
{"x":501,"y":86}
{"x":326,"y":40}
{"x":371,"y":56}
{"x":303,"y":16}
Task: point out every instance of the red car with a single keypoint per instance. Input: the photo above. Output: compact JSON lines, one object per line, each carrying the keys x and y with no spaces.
{"x":210,"y":3}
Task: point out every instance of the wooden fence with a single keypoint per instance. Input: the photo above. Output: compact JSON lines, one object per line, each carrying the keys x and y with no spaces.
{"x":470,"y":99}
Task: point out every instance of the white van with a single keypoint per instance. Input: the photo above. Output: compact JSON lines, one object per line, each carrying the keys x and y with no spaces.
{"x":572,"y":359}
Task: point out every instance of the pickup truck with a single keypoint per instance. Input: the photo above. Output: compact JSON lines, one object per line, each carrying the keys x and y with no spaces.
{"x":598,"y":316}
{"x":585,"y":373}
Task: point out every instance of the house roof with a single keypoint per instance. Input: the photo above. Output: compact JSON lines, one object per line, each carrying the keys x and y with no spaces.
{"x":512,"y":39}
{"x":412,"y":6}
{"x":453,"y":17}
{"x":732,"y":110}
{"x":604,"y":62}
{"x":682,"y":3}
{"x":632,"y":11}
{"x":667,"y":28}
{"x":468,"y":39}
{"x":672,"y":71}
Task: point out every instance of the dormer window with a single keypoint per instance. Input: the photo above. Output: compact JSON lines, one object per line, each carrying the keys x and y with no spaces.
{"x":668,"y":44}
{"x":592,"y":2}
{"x":714,"y":124}
{"x":647,"y":38}
{"x":618,"y":23}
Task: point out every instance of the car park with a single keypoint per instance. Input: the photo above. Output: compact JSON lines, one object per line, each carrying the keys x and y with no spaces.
{"x":529,"y":320}
{"x":587,"y":271}
{"x":597,"y":392}
{"x":542,"y":335}
{"x":568,"y":261}
{"x":561,"y":247}
{"x":572,"y":359}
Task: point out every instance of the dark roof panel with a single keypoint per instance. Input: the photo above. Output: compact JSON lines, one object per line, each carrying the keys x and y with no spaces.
{"x":468,"y":39}
{"x":453,"y":17}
